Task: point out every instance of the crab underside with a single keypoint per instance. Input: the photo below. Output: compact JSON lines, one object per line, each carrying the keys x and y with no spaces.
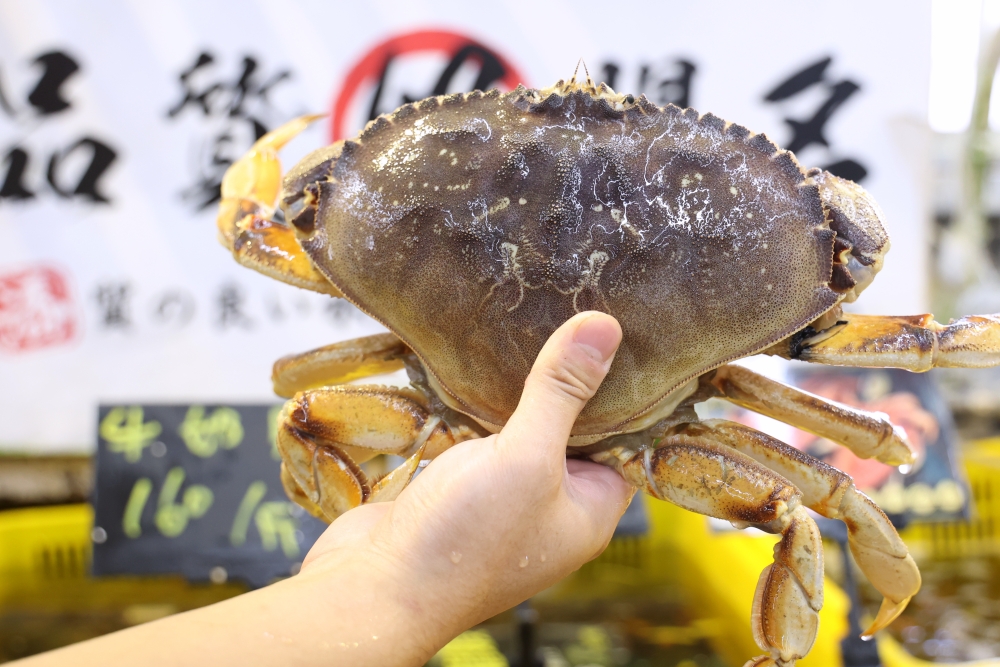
{"x":473,"y":225}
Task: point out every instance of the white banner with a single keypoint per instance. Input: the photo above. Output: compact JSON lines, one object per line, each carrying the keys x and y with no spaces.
{"x":118,"y":118}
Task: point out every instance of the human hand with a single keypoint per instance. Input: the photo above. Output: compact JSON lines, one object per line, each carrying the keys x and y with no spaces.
{"x":491,"y":521}
{"x":486,"y":525}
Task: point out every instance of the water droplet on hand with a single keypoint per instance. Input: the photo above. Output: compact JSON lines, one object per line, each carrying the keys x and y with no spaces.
{"x":455,"y":557}
{"x":523,"y":562}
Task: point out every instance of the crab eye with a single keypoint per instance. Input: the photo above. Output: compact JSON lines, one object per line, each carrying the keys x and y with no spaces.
{"x":303,"y":214}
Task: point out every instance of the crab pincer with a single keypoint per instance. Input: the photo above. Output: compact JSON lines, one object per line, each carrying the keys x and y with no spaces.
{"x":245,"y":220}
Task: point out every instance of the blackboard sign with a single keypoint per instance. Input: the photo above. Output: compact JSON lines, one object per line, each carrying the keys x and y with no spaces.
{"x":195,"y":490}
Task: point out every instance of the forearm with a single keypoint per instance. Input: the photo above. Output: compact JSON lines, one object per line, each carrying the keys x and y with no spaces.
{"x":340,"y":612}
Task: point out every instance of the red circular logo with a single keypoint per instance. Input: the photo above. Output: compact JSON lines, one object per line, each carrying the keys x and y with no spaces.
{"x":411,"y":67}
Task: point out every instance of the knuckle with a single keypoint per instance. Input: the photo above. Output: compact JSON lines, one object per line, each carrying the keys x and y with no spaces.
{"x":570,"y":381}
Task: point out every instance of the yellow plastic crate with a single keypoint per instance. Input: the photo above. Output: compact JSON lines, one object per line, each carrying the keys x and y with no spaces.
{"x":718,"y":571}
{"x":43,"y":544}
{"x":980,"y":535}
{"x":47,"y":599}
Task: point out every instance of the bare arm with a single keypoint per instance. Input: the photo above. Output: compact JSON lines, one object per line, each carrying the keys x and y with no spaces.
{"x":486,"y":525}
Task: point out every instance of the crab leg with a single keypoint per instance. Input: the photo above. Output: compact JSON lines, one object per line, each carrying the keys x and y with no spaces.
{"x":916,"y":343}
{"x":338,"y":363}
{"x":878,"y":549}
{"x":711,"y":479}
{"x":324,"y":434}
{"x":249,"y":190}
{"x":869,"y":435}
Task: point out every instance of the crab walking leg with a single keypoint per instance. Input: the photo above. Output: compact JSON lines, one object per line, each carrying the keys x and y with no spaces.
{"x":877,"y":547}
{"x":249,"y":189}
{"x":324,"y":434}
{"x":712,"y":479}
{"x":338,"y":363}
{"x":916,"y":343}
{"x":869,"y":435}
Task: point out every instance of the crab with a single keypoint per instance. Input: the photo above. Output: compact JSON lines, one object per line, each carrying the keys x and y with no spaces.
{"x":472,"y":225}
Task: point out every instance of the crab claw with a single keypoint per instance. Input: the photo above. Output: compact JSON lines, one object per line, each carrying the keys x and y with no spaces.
{"x":251,"y":185}
{"x":298,"y":496}
{"x":390,"y":486}
{"x":887,"y":613}
{"x":881,"y":555}
{"x":325,"y":434}
{"x":245,"y":222}
{"x":789,"y":594}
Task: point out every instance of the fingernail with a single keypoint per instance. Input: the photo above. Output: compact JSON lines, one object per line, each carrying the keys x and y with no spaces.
{"x":599,"y":335}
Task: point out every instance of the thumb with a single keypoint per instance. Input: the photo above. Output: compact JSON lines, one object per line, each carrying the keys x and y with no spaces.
{"x":566,"y":374}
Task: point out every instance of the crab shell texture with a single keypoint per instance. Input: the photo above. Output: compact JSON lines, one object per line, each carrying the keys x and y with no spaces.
{"x":473,"y":225}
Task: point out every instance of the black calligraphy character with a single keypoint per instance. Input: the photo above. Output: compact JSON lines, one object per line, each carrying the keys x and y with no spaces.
{"x":114,"y":300}
{"x":661,"y":87}
{"x":491,"y":69}
{"x":174,"y":307}
{"x":239,"y":102}
{"x":810,"y":131}
{"x":47,"y":96}
{"x":230,"y":303}
{"x":101,"y":157}
{"x":676,"y":90}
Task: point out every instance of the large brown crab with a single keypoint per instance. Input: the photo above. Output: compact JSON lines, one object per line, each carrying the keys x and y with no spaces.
{"x":472,"y":225}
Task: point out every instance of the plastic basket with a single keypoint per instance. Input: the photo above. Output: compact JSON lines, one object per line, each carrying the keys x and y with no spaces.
{"x":717,"y":571}
{"x":980,"y":535}
{"x":44,"y":544}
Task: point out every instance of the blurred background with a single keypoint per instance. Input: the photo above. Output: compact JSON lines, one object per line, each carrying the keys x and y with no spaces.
{"x":138,"y":475}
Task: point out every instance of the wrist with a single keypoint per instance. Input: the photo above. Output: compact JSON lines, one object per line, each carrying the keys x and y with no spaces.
{"x":372,"y":600}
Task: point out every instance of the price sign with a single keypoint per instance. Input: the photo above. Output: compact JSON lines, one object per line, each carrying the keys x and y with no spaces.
{"x":195,"y":490}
